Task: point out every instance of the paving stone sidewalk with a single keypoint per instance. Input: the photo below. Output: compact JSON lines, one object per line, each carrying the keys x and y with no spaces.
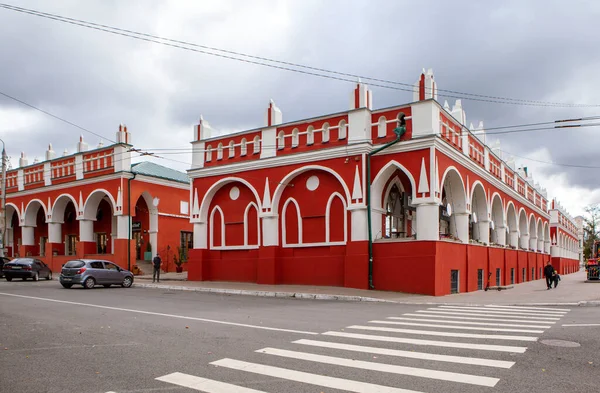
{"x":573,"y":290}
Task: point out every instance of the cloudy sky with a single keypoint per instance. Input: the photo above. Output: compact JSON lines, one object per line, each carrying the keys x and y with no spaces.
{"x":532,"y":50}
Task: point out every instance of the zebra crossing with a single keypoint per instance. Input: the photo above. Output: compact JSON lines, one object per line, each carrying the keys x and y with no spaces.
{"x":453,"y":346}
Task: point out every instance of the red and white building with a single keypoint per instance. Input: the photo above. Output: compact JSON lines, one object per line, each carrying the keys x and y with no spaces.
{"x":96,"y":204}
{"x":303,"y":202}
{"x":567,"y":238}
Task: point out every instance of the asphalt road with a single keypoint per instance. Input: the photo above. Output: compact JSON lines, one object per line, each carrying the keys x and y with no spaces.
{"x":151,"y":340}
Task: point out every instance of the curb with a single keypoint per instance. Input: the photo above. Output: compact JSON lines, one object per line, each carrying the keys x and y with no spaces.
{"x":320,"y":296}
{"x":242,"y":292}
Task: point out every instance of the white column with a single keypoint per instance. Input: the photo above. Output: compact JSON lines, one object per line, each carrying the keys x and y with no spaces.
{"x":524,"y":241}
{"x":200,"y":235}
{"x":358,"y":225}
{"x":86,"y":230}
{"x":123,"y":230}
{"x":500,"y":236}
{"x":270,"y":230}
{"x":514,"y":238}
{"x":554,"y":251}
{"x":461,"y":220}
{"x":533,"y":242}
{"x":428,"y":221}
{"x":547,"y":246}
{"x":540,"y":244}
{"x":27,"y":238}
{"x":154,"y":241}
{"x":55,"y":232}
{"x":484,"y":231}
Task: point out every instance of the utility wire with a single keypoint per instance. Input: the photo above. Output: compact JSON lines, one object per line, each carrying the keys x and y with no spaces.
{"x":286,"y":65}
{"x":551,"y":162}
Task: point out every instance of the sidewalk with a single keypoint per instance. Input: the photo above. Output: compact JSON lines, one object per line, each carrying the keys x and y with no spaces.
{"x":572,"y":291}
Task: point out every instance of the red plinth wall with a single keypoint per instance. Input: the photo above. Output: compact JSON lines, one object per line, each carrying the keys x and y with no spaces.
{"x":422,"y":267}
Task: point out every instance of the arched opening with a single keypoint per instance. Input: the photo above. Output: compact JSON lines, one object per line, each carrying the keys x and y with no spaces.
{"x":478,"y":222}
{"x":251,"y":225}
{"x":281,"y":140}
{"x":310,"y":135}
{"x":291,"y":223}
{"x":540,"y":234}
{"x":35,"y":231}
{"x":295,"y":137}
{"x":13,"y":231}
{"x":497,"y":229}
{"x":523,"y":230}
{"x":395,"y":211}
{"x":231,"y":149}
{"x":244,"y":147}
{"x":98,"y":223}
{"x":217,"y":228}
{"x":342,"y":130}
{"x":16,"y":236}
{"x":220,"y":151}
{"x":454,"y":219}
{"x":513,"y":226}
{"x":336,"y":219}
{"x":256,"y":144}
{"x":65,"y":227}
{"x":325,"y":133}
{"x":381,"y":127}
{"x":208,"y":153}
{"x":532,"y":233}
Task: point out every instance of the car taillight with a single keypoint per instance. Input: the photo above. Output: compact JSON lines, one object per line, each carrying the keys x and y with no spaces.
{"x":83,"y":269}
{"x":27,"y":268}
{"x":7,"y":267}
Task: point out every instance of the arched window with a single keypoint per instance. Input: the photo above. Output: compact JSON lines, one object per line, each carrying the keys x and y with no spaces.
{"x":256,"y":144}
{"x":394,"y":213}
{"x":243,"y":147}
{"x":208,"y":153}
{"x":381,"y":128}
{"x":231,"y":149}
{"x":220,"y":151}
{"x":310,"y":135}
{"x":281,"y":140}
{"x":295,"y":138}
{"x":342,"y":130}
{"x":325,"y":133}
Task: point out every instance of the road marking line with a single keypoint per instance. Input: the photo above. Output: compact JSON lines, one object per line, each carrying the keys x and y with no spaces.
{"x":446,"y":344}
{"x":386,"y":368}
{"x":507,"y":312}
{"x":527,"y":308}
{"x":444,"y":334}
{"x":472,"y":323}
{"x":582,"y":324}
{"x":160,"y":314}
{"x":458,"y":327}
{"x":73,"y":347}
{"x":483,"y":314}
{"x":408,"y":354}
{"x":309,"y":378}
{"x":472,"y":317}
{"x":203,"y":384}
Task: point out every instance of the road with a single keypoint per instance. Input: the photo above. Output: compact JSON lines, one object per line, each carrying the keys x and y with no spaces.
{"x":151,"y":340}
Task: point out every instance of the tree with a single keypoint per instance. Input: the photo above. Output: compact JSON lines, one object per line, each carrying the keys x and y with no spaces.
{"x":591,"y":229}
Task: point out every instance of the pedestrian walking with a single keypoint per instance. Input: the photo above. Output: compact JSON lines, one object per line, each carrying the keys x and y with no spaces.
{"x":556,"y":278}
{"x":549,"y":274}
{"x":156,"y":273}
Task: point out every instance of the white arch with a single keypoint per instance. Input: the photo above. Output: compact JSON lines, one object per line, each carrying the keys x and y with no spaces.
{"x":212,"y":227}
{"x":246,"y":228}
{"x":328,"y":217}
{"x":463,"y":199}
{"x":30,"y":218}
{"x":243,"y":147}
{"x":482,"y":206}
{"x":512,"y":220}
{"x":386,"y":195}
{"x":501,"y":219}
{"x":290,"y":176}
{"x":220,"y":151}
{"x":256,"y":144}
{"x":280,"y":140}
{"x":381,"y":127}
{"x":295,"y":137}
{"x":231,"y":149}
{"x":283,"y":223}
{"x":310,"y":135}
{"x":208,"y":153}
{"x":532,"y":225}
{"x":93,"y":201}
{"x":540,"y":230}
{"x":60,"y":204}
{"x":325,"y":133}
{"x":9,"y":217}
{"x":384,"y":174}
{"x":342,"y":130}
{"x":207,"y":199}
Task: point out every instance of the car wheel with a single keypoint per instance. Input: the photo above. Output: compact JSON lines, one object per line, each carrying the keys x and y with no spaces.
{"x":49,"y":276}
{"x":106,"y":285}
{"x":8,"y":278}
{"x":36,"y":276}
{"x":89,"y":283}
{"x":67,"y":285}
{"x":127,"y":282}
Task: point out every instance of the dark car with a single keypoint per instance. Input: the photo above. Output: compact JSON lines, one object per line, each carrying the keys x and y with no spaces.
{"x":25,"y":268}
{"x":3,"y":260}
{"x":92,"y":272}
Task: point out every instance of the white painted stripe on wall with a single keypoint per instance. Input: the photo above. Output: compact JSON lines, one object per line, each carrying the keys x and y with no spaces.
{"x":472,"y":317}
{"x":444,"y":334}
{"x":508,"y":312}
{"x":491,"y":329}
{"x":408,"y":354}
{"x":484,"y":314}
{"x":203,"y":384}
{"x":446,"y":344}
{"x":527,"y":307}
{"x":309,"y":378}
{"x":158,"y":314}
{"x":471,"y":322}
{"x":386,"y":368}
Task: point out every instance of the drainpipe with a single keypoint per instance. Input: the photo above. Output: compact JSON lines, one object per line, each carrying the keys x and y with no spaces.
{"x":129,"y":214}
{"x":399,"y":131}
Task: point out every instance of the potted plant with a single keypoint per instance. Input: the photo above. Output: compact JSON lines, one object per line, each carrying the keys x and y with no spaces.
{"x":148,"y":253}
{"x":179,"y":259}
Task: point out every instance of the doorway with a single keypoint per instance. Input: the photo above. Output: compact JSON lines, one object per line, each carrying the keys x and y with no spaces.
{"x":454,"y":281}
{"x":70,"y":241}
{"x":101,"y":241}
{"x":137,"y":236}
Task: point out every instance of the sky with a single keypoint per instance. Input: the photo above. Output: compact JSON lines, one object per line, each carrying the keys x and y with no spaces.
{"x":531,"y":50}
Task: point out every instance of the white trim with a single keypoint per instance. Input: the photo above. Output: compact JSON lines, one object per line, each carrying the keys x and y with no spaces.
{"x":187,"y":217}
{"x":96,"y":191}
{"x":34,"y":218}
{"x":314,"y":245}
{"x":210,"y":193}
{"x":212,"y":227}
{"x":98,"y":179}
{"x":17,"y":210}
{"x":464,"y":188}
{"x":251,"y":204}
{"x":395,"y":163}
{"x":162,"y":182}
{"x":283,"y":223}
{"x":224,"y":248}
{"x":328,"y":218}
{"x":58,"y":198}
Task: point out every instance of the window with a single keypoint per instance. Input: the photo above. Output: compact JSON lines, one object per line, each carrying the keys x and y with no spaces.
{"x":295,"y":138}
{"x":454,"y":277}
{"x":523,"y":276}
{"x":74,"y":264}
{"x":256,"y":144}
{"x":208,"y":153}
{"x":325,"y":133}
{"x":231,"y":149}
{"x":310,"y":135}
{"x":512,"y":275}
{"x":110,"y":266}
{"x":533,"y":273}
{"x":381,"y":127}
{"x":184,"y":207}
{"x":281,"y":140}
{"x":243,"y":147}
{"x":342,"y":131}
{"x":186,"y":243}
{"x":96,"y":265}
{"x":220,"y":151}
{"x":498,"y":272}
{"x":479,"y":279}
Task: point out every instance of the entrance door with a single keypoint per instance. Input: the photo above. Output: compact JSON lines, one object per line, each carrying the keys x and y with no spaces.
{"x":101,"y":240}
{"x":454,"y":281}
{"x":186,"y":243}
{"x":43,"y":246}
{"x":70,"y":244}
{"x":138,"y":245}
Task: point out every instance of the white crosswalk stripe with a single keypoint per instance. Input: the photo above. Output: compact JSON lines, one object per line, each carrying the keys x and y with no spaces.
{"x":406,"y":331}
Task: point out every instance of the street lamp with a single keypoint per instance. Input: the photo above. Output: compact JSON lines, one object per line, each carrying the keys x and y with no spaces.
{"x":3,"y":237}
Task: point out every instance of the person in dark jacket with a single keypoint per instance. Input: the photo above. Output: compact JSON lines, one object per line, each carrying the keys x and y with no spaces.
{"x":156,"y":262}
{"x":556,"y":278}
{"x":549,"y":274}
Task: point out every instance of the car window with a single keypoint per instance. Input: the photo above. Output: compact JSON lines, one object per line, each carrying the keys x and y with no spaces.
{"x":110,"y":266}
{"x":97,"y":265}
{"x":74,"y":264}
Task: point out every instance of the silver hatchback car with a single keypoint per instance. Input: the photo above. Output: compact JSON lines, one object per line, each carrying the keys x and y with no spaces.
{"x":92,"y":272}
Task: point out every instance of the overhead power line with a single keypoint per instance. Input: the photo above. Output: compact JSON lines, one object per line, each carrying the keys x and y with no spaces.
{"x":258,"y":60}
{"x":551,"y":162}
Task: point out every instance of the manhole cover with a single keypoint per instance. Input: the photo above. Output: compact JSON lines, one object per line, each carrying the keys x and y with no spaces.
{"x":561,"y":343}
